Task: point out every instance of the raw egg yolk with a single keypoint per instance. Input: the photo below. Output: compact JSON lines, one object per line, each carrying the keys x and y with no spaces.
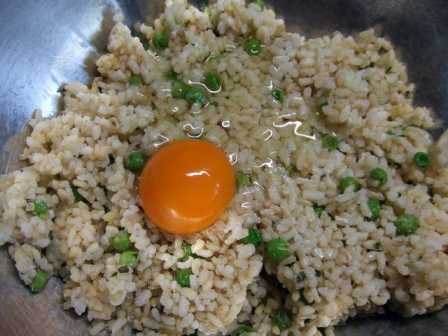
{"x":186,"y":186}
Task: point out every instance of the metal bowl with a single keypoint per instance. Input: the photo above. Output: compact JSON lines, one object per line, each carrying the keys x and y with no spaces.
{"x":45,"y":43}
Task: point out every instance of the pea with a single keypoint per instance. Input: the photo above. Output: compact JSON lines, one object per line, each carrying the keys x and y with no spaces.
{"x":179,"y":89}
{"x":129,"y":259}
{"x":330,"y":142}
{"x":39,"y":281}
{"x":243,"y":329}
{"x":252,"y":46}
{"x":406,"y":225}
{"x":374,"y":207}
{"x":347,"y":182}
{"x":120,"y":242}
{"x":379,"y":175}
{"x":254,"y":237}
{"x":160,"y":40}
{"x":213,"y":81}
{"x":282,"y":319}
{"x":196,"y":94}
{"x":242,"y":180}
{"x":171,"y":75}
{"x":183,"y":277}
{"x":278,"y":95}
{"x":136,"y":80}
{"x":41,"y":209}
{"x":422,"y":160}
{"x":278,"y":250}
{"x":318,"y":210}
{"x":135,"y":162}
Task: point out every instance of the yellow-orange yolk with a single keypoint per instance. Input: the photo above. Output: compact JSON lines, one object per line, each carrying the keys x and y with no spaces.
{"x":186,"y":186}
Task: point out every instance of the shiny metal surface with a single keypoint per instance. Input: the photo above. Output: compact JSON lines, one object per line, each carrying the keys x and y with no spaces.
{"x":45,"y":43}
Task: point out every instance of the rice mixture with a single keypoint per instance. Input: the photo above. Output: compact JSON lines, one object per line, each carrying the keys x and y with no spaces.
{"x":336,"y":170}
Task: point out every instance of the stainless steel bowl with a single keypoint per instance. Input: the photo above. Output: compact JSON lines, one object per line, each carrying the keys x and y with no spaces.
{"x":45,"y":43}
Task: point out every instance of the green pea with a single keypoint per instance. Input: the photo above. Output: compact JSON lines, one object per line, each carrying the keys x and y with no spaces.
{"x":278,"y":95}
{"x":183,"y":277}
{"x":243,"y":329}
{"x":282,"y":319}
{"x":278,"y":250}
{"x":121,"y":242}
{"x":171,"y":75}
{"x":422,"y":159}
{"x":77,"y":195}
{"x":318,"y":210}
{"x":406,"y":225}
{"x":160,"y":40}
{"x":136,"y":80}
{"x":129,"y":259}
{"x":39,"y":281}
{"x":41,"y":209}
{"x":330,"y":142}
{"x":254,"y":237}
{"x":212,"y":81}
{"x":179,"y":89}
{"x":379,"y":175}
{"x":252,"y":46}
{"x":347,"y":182}
{"x":135,"y":162}
{"x":196,"y":94}
{"x":242,"y":180}
{"x":374,"y":207}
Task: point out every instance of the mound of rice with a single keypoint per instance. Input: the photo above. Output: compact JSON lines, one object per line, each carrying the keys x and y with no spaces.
{"x":341,"y":262}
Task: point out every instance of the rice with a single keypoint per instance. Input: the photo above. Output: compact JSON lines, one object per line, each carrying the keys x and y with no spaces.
{"x":342,"y":263}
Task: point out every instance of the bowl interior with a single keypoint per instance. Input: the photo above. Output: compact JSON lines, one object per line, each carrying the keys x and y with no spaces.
{"x":47,"y":43}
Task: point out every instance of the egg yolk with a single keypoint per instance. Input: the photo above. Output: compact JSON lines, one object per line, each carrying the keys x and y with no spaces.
{"x":186,"y":186}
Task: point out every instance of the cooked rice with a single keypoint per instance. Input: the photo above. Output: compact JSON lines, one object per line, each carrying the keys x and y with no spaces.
{"x":341,"y":263}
